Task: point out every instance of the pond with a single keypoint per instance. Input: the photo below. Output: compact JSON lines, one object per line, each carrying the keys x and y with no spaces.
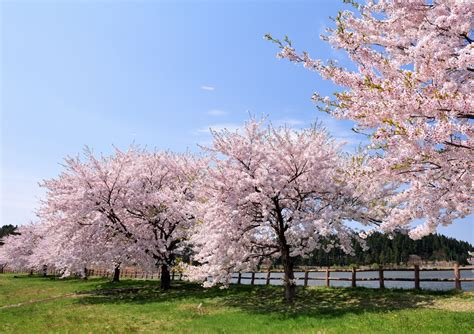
{"x":260,"y":279}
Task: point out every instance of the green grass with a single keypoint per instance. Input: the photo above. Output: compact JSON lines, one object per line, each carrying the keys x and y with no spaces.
{"x":187,"y":308}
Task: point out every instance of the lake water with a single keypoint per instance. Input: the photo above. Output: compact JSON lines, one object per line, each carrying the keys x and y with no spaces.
{"x":260,"y":279}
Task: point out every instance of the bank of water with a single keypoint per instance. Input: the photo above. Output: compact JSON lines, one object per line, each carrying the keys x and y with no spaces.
{"x":277,"y":279}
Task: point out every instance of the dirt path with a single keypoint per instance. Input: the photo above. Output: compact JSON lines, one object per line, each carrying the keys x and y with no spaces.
{"x":75,"y":295}
{"x":33,"y":301}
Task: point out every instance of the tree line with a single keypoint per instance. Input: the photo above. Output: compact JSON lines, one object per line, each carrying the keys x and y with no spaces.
{"x":382,"y":249}
{"x":395,"y":250}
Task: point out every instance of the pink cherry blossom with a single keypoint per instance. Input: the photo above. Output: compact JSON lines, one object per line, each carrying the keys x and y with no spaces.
{"x":413,"y":93}
{"x":275,"y":192}
{"x":130,"y":207}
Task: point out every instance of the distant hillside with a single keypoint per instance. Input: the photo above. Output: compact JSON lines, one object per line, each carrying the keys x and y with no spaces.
{"x":383,"y":250}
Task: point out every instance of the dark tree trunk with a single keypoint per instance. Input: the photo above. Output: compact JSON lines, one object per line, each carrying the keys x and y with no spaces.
{"x":45,"y":270}
{"x":116,"y":274}
{"x":287,"y":260}
{"x":165,"y":283}
{"x":84,"y":277}
{"x":288,"y":266}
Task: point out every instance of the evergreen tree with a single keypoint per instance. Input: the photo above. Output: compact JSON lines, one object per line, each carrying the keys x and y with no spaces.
{"x":6,"y":230}
{"x":396,"y":250}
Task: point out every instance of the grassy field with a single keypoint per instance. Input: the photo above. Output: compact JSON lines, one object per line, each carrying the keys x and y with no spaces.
{"x":97,"y":306}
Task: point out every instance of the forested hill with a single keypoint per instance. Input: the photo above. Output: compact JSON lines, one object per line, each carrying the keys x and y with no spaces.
{"x":383,"y":250}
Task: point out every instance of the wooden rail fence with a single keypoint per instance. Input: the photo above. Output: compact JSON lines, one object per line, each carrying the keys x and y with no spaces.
{"x":354,"y":279}
{"x":458,"y":279}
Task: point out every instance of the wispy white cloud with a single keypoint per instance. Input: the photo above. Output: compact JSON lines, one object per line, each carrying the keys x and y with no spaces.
{"x":218,"y":127}
{"x":208,"y":88}
{"x":291,"y":122}
{"x":217,"y":112}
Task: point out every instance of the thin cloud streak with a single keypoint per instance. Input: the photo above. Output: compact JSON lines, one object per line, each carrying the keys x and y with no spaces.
{"x":217,"y":112}
{"x":218,"y":127}
{"x":290,"y":122}
{"x":208,"y":88}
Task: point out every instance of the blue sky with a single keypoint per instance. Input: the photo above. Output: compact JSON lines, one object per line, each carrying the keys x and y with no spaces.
{"x":156,"y":73}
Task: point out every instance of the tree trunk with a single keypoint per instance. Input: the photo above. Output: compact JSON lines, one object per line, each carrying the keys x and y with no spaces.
{"x":116,"y":274}
{"x":84,"y":277}
{"x":165,"y":283}
{"x":288,"y":265}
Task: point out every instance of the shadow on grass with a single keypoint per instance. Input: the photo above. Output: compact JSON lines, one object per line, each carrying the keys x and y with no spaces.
{"x":315,"y":302}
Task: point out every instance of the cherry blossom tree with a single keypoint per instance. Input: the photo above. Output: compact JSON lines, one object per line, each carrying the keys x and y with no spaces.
{"x":18,"y":249}
{"x":71,"y":247}
{"x":412,"y":91}
{"x":142,"y":198}
{"x":275,"y":192}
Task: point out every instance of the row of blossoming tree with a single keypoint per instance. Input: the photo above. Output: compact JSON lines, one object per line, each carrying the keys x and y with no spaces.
{"x":264,"y":192}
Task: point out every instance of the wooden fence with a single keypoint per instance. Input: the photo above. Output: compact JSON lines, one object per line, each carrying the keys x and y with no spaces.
{"x":327,"y":278}
{"x":354,"y":279}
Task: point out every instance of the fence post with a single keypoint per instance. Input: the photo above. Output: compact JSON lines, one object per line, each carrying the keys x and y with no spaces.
{"x":239,"y":278}
{"x":354,"y":273}
{"x":268,"y":277}
{"x":382,"y":283}
{"x":457,"y":276}
{"x":306,"y":274}
{"x":252,"y":281}
{"x":417,"y":277}
{"x":328,"y":273}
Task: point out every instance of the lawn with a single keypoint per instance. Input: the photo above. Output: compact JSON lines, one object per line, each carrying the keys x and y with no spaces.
{"x":98,"y":306}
